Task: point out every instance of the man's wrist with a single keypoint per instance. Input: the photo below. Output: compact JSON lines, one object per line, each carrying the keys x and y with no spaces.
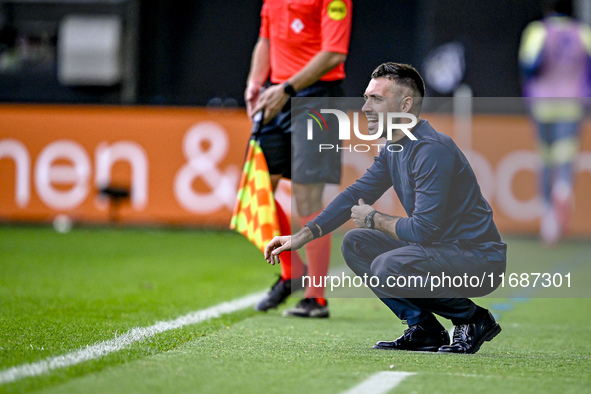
{"x":315,"y":230}
{"x":370,"y":221}
{"x":253,"y":85}
{"x":386,"y":224}
{"x":289,"y":89}
{"x":304,"y":236}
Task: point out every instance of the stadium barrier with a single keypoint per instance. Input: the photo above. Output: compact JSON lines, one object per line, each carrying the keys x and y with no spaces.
{"x":181,"y":166}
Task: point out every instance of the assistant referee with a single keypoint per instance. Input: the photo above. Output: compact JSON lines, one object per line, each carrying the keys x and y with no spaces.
{"x":301,"y":48}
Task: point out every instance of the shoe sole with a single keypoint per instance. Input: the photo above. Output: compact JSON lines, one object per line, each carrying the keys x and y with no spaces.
{"x":264,"y":305}
{"x":265,"y":308}
{"x":420,"y":349}
{"x":311,"y":316}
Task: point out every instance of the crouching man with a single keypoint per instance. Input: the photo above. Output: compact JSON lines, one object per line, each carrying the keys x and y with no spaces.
{"x":449,"y":231}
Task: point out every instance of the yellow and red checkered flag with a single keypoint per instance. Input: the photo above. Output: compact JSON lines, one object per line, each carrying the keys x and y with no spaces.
{"x":255,"y":214}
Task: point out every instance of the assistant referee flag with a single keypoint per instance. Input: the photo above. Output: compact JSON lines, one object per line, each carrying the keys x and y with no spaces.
{"x":255,"y":213}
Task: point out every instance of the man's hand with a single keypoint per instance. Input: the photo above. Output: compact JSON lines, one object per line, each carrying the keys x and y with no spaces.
{"x":359,"y":212}
{"x":286,"y":243}
{"x":251,"y":94}
{"x":275,"y":247}
{"x":271,"y":101}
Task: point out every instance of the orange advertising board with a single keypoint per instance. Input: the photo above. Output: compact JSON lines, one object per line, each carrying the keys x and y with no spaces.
{"x":182,"y":165}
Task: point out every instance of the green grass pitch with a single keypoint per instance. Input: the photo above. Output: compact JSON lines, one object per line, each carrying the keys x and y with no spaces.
{"x":62,"y":292}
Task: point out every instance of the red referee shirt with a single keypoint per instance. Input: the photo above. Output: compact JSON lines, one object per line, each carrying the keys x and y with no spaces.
{"x":299,"y":29}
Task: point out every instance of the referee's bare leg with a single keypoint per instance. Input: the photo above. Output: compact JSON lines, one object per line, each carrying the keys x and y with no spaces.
{"x":309,"y":204}
{"x":292,"y":266}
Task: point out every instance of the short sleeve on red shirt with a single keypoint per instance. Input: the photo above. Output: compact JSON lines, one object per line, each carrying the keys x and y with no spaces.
{"x":264,"y":31}
{"x":336,"y":25}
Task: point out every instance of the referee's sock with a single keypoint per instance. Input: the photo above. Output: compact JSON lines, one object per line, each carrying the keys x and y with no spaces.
{"x":318,"y":256}
{"x":292,"y":265}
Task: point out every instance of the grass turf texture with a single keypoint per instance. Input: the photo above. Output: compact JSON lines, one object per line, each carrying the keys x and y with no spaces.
{"x":61,"y":292}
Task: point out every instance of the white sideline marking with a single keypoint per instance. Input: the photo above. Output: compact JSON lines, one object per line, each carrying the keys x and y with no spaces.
{"x":104,"y":348}
{"x":380,"y":383}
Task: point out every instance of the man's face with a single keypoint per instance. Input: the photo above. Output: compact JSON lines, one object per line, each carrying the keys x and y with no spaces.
{"x":382,"y":96}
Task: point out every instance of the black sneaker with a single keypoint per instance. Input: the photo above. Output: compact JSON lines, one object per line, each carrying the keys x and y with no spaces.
{"x":278,"y":294}
{"x":468,"y":338}
{"x":418,"y":339}
{"x":308,"y":307}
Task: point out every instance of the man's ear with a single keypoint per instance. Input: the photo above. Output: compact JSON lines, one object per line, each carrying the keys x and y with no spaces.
{"x":406,"y":104}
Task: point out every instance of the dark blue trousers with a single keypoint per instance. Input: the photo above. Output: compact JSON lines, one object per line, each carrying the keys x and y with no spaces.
{"x":373,"y":253}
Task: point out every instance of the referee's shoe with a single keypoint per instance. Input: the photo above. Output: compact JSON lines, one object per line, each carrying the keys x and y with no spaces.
{"x":278,"y":293}
{"x":309,"y":307}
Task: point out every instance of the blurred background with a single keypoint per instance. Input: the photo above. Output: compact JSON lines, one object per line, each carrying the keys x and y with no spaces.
{"x":197,"y":53}
{"x":132,"y":110}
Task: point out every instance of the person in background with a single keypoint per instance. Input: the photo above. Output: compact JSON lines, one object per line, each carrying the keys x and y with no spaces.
{"x":555,"y":63}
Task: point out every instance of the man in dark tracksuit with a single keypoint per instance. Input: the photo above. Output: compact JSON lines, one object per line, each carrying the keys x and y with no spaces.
{"x":449,"y":230}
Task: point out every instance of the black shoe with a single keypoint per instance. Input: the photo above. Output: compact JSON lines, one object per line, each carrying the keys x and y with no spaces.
{"x":468,"y":338}
{"x":278,"y":294}
{"x":308,"y":307}
{"x":418,"y":339}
